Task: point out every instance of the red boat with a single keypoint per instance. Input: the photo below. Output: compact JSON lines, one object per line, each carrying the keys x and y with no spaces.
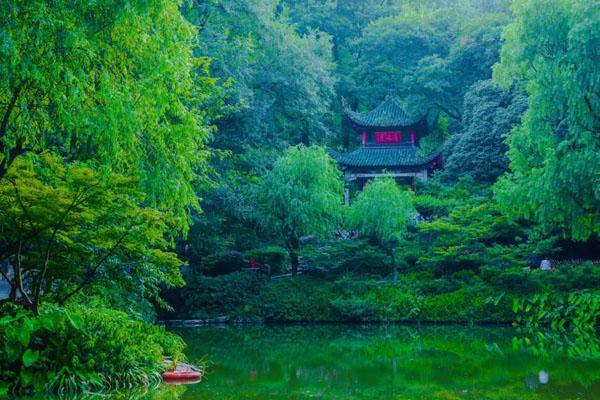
{"x":183,"y":374}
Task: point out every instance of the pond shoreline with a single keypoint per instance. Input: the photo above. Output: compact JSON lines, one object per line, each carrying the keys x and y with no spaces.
{"x":191,"y":323}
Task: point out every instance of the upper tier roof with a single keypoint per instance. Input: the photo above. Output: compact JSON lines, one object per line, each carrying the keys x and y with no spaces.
{"x":384,"y":156}
{"x":387,"y":114}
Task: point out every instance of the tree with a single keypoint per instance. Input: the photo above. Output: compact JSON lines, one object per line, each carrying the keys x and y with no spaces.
{"x":551,"y":49}
{"x":479,"y":149}
{"x":382,"y":212}
{"x":302,"y":195}
{"x":65,"y":228}
{"x":112,"y":81}
{"x":281,"y":83}
{"x":427,"y":55}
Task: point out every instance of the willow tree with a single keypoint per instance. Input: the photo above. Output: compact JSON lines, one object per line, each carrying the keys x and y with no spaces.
{"x":381,"y":213}
{"x":552,"y":49}
{"x":112,"y":81}
{"x":302,"y":195}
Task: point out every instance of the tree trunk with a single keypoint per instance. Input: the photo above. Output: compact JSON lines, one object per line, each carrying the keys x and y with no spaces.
{"x":38,"y":289}
{"x":294,"y":258}
{"x":12,"y":296}
{"x":18,"y":275}
{"x":394,"y":266}
{"x":293,"y":245}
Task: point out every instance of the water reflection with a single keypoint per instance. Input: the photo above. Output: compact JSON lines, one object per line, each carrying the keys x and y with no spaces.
{"x":375,"y":362}
{"x":386,"y":362}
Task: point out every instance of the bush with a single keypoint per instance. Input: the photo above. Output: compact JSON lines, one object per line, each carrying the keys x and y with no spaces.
{"x":208,"y":297}
{"x":274,"y":256}
{"x":298,"y":299}
{"x":80,"y":349}
{"x":568,"y":277}
{"x":377,"y":301}
{"x":344,"y":256}
{"x":514,"y":280}
{"x":474,"y":304}
{"x":224,"y":263}
{"x":579,"y":310}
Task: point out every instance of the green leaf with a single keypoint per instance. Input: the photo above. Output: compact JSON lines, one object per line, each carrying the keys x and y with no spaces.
{"x":76,"y":321}
{"x":26,"y":377}
{"x":13,"y":351}
{"x":30,"y":357}
{"x":24,"y":336}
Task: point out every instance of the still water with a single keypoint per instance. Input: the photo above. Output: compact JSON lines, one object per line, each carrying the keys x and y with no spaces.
{"x":388,"y":362}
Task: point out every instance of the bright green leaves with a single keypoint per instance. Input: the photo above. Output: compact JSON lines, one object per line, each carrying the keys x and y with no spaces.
{"x":463,"y":228}
{"x":578,"y":311}
{"x":74,"y":227}
{"x":301,"y":195}
{"x":382,"y":211}
{"x":30,"y":357}
{"x":114,"y":83}
{"x":555,"y":153}
{"x":81,"y":349}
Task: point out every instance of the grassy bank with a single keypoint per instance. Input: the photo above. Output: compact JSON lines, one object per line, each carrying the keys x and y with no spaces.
{"x":490,"y":296}
{"x":80,"y":349}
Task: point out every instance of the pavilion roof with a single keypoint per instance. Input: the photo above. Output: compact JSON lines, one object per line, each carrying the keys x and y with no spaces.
{"x":387,"y":114}
{"x":384,"y":156}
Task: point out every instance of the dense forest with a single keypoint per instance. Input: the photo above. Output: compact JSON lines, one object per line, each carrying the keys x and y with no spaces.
{"x":166,"y":159}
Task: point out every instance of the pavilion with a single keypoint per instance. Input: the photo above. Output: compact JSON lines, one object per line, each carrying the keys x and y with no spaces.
{"x":390,"y":147}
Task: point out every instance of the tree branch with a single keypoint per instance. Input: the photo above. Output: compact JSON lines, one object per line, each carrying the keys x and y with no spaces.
{"x":9,"y":109}
{"x":92,"y":272}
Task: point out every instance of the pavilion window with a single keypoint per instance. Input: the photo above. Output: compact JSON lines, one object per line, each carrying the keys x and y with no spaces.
{"x":412,"y":137}
{"x":388,"y":137}
{"x":364,"y":138}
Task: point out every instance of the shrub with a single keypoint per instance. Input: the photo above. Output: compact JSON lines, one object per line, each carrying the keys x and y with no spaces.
{"x":298,"y":299}
{"x":376,"y":301}
{"x":514,"y":280}
{"x":579,"y":310}
{"x":224,"y":263}
{"x":466,"y":304}
{"x":80,"y":349}
{"x":207,"y":297}
{"x":344,"y":256}
{"x":274,"y":256}
{"x":565,"y":278}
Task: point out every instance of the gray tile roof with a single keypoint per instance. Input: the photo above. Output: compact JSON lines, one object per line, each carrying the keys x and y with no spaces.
{"x":387,"y":114}
{"x":384,"y":156}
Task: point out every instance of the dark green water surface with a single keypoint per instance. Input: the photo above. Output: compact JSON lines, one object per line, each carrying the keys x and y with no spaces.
{"x":388,"y":362}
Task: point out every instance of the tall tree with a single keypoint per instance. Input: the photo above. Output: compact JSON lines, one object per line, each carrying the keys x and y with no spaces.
{"x":428,"y":56}
{"x":112,"y":81}
{"x":479,"y":149}
{"x":552,"y":50}
{"x":381,"y":213}
{"x":302,"y":195}
{"x":281,"y":85}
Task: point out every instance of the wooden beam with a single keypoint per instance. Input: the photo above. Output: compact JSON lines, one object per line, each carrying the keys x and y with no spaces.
{"x":352,"y":176}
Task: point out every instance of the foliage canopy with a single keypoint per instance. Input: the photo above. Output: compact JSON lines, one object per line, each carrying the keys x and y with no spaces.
{"x":555,"y":153}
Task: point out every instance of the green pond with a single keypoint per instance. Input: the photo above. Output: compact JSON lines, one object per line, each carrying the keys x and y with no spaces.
{"x":384,"y":362}
{"x":389,"y":362}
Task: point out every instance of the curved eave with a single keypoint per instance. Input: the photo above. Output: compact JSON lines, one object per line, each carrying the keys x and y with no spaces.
{"x":389,"y":157}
